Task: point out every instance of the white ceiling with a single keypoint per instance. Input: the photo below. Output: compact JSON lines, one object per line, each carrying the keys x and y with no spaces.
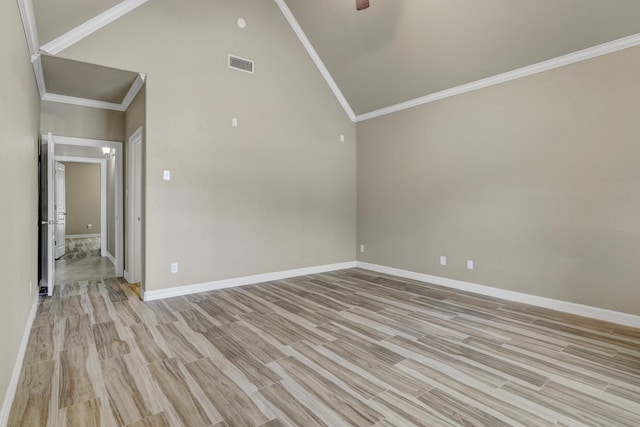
{"x":392,"y":52}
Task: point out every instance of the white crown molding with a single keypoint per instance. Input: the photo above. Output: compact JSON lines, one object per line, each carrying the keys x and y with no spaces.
{"x":89,"y":27}
{"x":561,"y":61}
{"x":73,"y":140}
{"x":30,"y":28}
{"x":242,"y":281}
{"x":316,"y":58}
{"x":563,"y":306}
{"x":133,"y":91}
{"x":83,"y":102}
{"x":15,"y":376}
{"x":39,"y":73}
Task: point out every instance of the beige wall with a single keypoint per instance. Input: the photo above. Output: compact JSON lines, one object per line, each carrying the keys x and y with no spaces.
{"x":83,"y":197}
{"x":19,"y":111}
{"x":536,"y":180}
{"x":81,"y":122}
{"x":276,"y":193}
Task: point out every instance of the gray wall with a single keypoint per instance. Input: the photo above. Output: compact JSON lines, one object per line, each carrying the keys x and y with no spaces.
{"x":19,"y":113}
{"x":276,"y":193}
{"x":81,"y":122}
{"x":83,"y":197}
{"x":536,"y":180}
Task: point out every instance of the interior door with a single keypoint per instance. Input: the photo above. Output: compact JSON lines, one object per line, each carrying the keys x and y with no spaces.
{"x":47,"y":216}
{"x":61,"y":209}
{"x":134,"y":223}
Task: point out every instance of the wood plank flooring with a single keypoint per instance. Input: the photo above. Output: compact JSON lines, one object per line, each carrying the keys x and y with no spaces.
{"x":336,"y":349}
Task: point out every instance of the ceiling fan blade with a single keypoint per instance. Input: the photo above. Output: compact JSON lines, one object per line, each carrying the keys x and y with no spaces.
{"x":362,"y":4}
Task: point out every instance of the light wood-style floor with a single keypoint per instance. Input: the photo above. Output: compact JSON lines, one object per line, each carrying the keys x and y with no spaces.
{"x":336,"y":349}
{"x":87,"y":268}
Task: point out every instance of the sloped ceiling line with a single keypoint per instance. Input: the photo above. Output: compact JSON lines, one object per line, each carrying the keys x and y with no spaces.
{"x":85,"y":29}
{"x":561,"y":61}
{"x":316,"y":58}
{"x":29,"y":23}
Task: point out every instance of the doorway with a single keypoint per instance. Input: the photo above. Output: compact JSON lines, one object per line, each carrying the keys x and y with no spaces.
{"x":134,"y":207}
{"x":114,"y":224}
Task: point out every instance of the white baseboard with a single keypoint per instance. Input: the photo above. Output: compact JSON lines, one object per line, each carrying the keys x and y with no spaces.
{"x":242,"y":281}
{"x":81,"y":236}
{"x":563,"y":306}
{"x":17,"y":369}
{"x":111,"y":258}
{"x":126,"y":276}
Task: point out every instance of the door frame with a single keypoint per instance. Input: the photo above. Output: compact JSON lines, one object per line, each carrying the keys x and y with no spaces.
{"x":103,"y":195}
{"x":60,"y":167}
{"x":118,"y":197}
{"x":132,"y":275}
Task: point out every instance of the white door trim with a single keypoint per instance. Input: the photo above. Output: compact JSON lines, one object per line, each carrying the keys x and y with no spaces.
{"x":119,"y":205}
{"x":103,"y":193}
{"x":134,"y":275}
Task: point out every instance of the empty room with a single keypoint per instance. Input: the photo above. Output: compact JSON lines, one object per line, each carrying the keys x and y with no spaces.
{"x":320,"y":213}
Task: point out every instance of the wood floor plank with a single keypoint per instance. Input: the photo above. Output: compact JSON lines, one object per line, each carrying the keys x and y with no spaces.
{"x":31,"y":405}
{"x":75,"y":383}
{"x":235,"y":406}
{"x":180,"y":345}
{"x":350,"y":347}
{"x":40,"y":347}
{"x":108,"y":341}
{"x":156,"y":420}
{"x":287,"y":404}
{"x":353,"y":380}
{"x":125,"y":398}
{"x":173,"y":385}
{"x":352,"y":410}
{"x":82,"y":414}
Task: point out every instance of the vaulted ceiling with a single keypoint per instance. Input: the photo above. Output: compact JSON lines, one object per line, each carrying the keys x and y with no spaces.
{"x":391,"y":53}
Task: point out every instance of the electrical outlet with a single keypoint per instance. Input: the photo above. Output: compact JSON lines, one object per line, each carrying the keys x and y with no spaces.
{"x":89,"y":226}
{"x":443,"y":260}
{"x":361,"y":248}
{"x":469,"y":264}
{"x":174,"y":267}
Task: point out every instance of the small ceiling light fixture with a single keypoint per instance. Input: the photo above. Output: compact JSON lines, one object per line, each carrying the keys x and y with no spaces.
{"x":241,"y":23}
{"x":108,"y":152}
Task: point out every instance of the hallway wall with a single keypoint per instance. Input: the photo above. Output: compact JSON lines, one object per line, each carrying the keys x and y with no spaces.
{"x":19,"y":121}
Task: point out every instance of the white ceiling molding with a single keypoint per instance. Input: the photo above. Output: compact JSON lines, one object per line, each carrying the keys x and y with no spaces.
{"x":83,"y":102}
{"x":94,"y":24}
{"x":133,"y":91}
{"x":316,"y":58}
{"x":37,"y":69}
{"x":29,"y":24}
{"x":561,"y":61}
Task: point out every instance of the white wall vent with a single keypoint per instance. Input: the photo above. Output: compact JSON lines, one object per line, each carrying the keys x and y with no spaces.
{"x":241,"y":64}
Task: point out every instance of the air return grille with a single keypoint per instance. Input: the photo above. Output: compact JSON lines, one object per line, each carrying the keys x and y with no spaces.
{"x":241,"y":64}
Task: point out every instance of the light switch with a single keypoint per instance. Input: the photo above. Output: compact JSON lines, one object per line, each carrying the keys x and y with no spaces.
{"x":234,"y":122}
{"x":341,"y":138}
{"x":166,"y":175}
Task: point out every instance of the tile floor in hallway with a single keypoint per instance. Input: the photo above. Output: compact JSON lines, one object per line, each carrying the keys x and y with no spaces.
{"x":336,"y":349}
